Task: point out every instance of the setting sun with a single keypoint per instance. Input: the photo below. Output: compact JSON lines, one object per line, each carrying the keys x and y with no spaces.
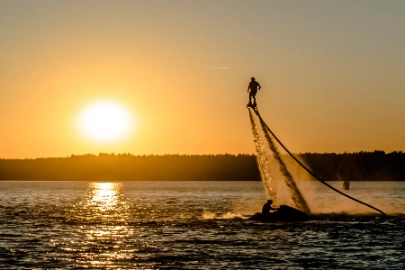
{"x":105,"y":121}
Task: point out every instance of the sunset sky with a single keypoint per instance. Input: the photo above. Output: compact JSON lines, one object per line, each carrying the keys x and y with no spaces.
{"x":332,"y":74}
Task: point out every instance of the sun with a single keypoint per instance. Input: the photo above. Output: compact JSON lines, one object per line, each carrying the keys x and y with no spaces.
{"x":105,"y":121}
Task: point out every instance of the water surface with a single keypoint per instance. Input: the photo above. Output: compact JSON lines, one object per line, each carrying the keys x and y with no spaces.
{"x":191,"y":225}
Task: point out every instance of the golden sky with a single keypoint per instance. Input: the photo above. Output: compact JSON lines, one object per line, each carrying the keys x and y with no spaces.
{"x":332,"y":74}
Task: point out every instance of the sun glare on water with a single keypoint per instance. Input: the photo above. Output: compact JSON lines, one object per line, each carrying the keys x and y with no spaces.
{"x":105,"y":121}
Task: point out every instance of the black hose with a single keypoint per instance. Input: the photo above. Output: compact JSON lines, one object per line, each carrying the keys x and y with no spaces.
{"x":309,"y":171}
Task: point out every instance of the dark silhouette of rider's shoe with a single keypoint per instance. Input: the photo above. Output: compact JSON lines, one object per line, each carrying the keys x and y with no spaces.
{"x":253,"y":106}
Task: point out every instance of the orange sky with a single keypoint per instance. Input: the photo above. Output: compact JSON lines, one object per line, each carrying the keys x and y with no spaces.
{"x":332,"y":74}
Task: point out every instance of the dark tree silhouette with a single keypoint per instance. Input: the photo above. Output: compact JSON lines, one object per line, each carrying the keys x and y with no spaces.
{"x":362,"y":166}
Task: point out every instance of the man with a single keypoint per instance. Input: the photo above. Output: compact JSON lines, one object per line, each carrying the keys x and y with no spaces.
{"x":267,"y":207}
{"x":253,"y":87}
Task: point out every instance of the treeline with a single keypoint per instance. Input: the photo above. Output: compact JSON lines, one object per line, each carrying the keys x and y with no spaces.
{"x":126,"y":167}
{"x":365,"y":166}
{"x":359,"y":166}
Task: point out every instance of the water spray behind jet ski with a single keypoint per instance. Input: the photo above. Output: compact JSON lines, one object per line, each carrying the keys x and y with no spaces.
{"x":285,"y":213}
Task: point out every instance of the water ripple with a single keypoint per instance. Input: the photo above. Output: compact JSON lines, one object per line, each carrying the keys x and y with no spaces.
{"x":112,"y":226}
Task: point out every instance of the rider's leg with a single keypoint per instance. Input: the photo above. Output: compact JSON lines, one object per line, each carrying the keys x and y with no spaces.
{"x":254,"y":98}
{"x":250,"y":99}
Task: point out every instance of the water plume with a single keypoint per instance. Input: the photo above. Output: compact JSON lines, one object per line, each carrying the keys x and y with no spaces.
{"x":262,"y":161}
{"x":296,"y":195}
{"x":271,"y":165}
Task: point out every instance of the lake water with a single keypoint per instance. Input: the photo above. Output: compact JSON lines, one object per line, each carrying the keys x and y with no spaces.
{"x":193,"y":225}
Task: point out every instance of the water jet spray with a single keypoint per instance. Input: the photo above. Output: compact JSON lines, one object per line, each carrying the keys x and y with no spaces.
{"x":269,"y":132}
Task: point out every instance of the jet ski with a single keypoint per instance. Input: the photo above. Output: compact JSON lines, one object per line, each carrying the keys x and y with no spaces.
{"x":284,"y":213}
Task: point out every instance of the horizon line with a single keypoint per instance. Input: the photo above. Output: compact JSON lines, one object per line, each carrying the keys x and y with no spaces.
{"x":202,"y":155}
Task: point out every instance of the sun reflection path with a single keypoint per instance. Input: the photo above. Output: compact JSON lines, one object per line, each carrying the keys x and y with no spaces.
{"x":104,"y":243}
{"x":105,"y":195}
{"x":106,"y":203}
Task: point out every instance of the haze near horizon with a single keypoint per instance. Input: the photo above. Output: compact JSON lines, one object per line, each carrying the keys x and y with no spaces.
{"x":172,"y":76}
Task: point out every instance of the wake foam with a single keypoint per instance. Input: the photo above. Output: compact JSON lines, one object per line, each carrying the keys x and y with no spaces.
{"x":210,"y":215}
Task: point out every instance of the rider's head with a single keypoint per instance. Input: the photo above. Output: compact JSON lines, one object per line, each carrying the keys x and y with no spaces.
{"x":269,"y":201}
{"x":252,"y":79}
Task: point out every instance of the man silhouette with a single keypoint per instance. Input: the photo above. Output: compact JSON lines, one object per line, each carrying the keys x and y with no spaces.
{"x":267,"y":207}
{"x":253,"y":87}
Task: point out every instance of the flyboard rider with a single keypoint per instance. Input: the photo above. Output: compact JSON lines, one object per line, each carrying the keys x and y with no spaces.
{"x":254,"y":86}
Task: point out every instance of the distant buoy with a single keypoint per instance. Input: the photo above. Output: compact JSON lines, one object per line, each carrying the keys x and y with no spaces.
{"x":346,"y":185}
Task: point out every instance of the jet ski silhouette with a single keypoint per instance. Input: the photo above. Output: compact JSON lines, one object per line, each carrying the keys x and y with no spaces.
{"x":284,"y":213}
